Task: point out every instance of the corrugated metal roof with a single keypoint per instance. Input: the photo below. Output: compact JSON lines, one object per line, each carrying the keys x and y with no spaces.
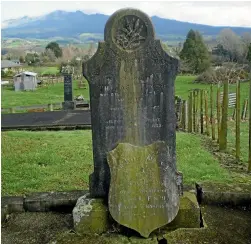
{"x":27,"y":73}
{"x":8,"y":64}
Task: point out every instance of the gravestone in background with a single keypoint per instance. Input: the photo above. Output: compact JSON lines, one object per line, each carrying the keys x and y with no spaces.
{"x":132,"y":100}
{"x":68,"y":103}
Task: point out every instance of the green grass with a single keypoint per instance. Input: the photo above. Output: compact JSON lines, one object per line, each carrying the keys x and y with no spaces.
{"x":185,"y":83}
{"x":196,"y":163}
{"x":54,"y":161}
{"x":43,"y":95}
{"x":243,"y":137}
{"x":45,"y":161}
{"x":54,"y":93}
{"x":44,"y":70}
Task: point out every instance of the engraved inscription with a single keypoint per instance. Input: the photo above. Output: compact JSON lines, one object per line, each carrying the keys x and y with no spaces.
{"x":131,"y":32}
{"x":138,"y":185}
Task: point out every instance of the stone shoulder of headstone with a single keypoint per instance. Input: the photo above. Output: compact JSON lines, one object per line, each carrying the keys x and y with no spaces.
{"x":128,"y":31}
{"x":67,"y":69}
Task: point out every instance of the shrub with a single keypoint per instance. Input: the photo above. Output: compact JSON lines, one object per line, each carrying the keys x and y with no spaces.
{"x":228,"y":72}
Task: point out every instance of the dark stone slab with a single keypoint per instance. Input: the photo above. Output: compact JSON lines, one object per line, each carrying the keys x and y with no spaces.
{"x":68,"y":87}
{"x":52,"y":201}
{"x":69,"y":105}
{"x":15,"y":203}
{"x":131,"y":81}
{"x":78,"y":117}
{"x":226,"y":198}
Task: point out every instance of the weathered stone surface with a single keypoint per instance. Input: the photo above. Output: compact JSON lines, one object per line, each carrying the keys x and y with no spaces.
{"x":189,"y":213}
{"x":143,"y":190}
{"x":90,"y":215}
{"x":226,"y":194}
{"x":131,"y":82}
{"x":52,"y":201}
{"x":4,"y":212}
{"x":15,"y":203}
{"x":68,"y":87}
{"x":69,"y":105}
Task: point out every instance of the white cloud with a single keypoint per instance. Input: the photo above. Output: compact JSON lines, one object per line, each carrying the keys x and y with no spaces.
{"x":211,"y":13}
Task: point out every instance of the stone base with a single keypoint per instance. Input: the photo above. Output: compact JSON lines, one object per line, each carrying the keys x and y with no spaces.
{"x":69,"y":105}
{"x":90,"y":216}
{"x":189,"y":213}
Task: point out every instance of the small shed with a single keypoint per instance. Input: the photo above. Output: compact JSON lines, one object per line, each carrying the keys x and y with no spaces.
{"x":25,"y":81}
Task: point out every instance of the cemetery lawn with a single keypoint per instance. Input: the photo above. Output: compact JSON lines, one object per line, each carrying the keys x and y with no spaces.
{"x":185,"y":83}
{"x":62,"y":161}
{"x":43,"y":95}
{"x":43,"y":70}
{"x":55,"y":93}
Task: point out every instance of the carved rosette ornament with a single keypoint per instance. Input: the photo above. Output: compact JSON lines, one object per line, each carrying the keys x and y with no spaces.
{"x":131,"y":32}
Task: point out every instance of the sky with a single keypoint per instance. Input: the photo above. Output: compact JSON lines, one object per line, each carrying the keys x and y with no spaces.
{"x":225,"y":13}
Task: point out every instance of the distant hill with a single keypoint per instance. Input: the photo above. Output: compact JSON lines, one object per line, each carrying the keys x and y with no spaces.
{"x":73,"y":24}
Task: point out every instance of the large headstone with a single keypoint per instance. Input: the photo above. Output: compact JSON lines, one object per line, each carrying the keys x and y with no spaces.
{"x":132,"y":99}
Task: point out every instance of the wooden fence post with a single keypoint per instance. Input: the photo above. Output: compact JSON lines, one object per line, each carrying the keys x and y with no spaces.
{"x":234,"y":112}
{"x":249,"y":150}
{"x":218,"y":111}
{"x":238,"y":120}
{"x":212,"y":120}
{"x":184,"y":115}
{"x":206,"y":113}
{"x":190,"y":112}
{"x":211,"y":102}
{"x":244,"y":109}
{"x":224,"y":118}
{"x":201,"y":112}
{"x":194,"y":110}
{"x":197,"y":111}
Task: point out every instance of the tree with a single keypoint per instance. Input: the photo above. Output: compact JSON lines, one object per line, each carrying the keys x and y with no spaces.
{"x":246,"y":38}
{"x":177,"y":49}
{"x":53,"y":46}
{"x":232,"y":44}
{"x":229,"y":72}
{"x":48,"y":56}
{"x":32,"y":58}
{"x":249,"y":53}
{"x":195,"y":52}
{"x":21,"y":59}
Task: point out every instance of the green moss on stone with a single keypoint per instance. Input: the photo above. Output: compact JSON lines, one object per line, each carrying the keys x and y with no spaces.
{"x":189,"y":213}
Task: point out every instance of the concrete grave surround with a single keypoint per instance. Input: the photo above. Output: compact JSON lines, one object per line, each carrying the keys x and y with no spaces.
{"x":131,"y":81}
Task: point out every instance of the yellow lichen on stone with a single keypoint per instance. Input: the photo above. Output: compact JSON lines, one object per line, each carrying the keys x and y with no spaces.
{"x":94,"y":217}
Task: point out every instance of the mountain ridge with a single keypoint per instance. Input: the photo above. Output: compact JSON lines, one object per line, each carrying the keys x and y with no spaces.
{"x":72,"y":24}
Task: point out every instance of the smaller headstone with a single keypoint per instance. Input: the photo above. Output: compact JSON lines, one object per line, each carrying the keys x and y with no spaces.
{"x":142,"y":193}
{"x":68,"y":103}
